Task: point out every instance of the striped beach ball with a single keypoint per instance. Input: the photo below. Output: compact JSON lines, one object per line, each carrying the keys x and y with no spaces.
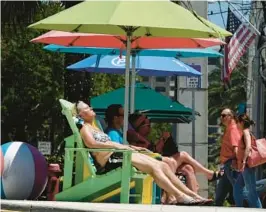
{"x":2,"y":161}
{"x":25,"y":172}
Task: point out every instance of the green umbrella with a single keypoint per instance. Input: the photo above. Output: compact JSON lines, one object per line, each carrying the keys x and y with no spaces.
{"x":139,"y":18}
{"x":160,"y":117}
{"x":155,"y":105}
{"x":130,"y":18}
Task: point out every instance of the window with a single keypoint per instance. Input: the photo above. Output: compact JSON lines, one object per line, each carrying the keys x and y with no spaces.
{"x":145,"y":79}
{"x":160,"y":79}
{"x":160,"y":89}
{"x":173,"y":78}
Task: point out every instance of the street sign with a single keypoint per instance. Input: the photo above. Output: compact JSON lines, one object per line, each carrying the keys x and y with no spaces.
{"x":44,"y":147}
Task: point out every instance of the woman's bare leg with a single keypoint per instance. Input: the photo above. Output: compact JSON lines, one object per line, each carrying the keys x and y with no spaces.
{"x":186,"y":170}
{"x":183,"y":157}
{"x":163,"y":176}
{"x":175,"y":180}
{"x":168,"y":198}
{"x":191,"y":180}
{"x":171,"y":163}
{"x":144,"y":164}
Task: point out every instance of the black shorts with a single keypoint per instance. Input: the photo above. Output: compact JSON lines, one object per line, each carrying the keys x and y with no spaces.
{"x":115,"y":161}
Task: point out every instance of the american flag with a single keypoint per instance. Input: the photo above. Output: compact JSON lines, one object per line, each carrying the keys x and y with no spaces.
{"x":236,"y":46}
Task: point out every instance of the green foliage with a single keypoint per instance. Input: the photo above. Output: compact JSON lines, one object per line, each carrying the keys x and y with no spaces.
{"x":157,"y":130}
{"x":55,"y":159}
{"x":24,"y":10}
{"x":106,"y":82}
{"x":18,"y":14}
{"x":31,"y":85}
{"x":219,"y":97}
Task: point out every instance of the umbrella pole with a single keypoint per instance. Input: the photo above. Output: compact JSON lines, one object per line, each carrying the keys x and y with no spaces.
{"x":193,"y":125}
{"x":133,"y":80}
{"x":126,"y":103}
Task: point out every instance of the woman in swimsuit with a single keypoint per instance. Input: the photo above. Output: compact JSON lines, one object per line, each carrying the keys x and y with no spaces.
{"x":161,"y":172}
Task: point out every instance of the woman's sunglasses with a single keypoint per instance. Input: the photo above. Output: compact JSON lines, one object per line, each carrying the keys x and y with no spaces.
{"x":224,"y":115}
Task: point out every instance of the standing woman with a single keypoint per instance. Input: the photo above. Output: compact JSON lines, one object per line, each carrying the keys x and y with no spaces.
{"x":247,"y":176}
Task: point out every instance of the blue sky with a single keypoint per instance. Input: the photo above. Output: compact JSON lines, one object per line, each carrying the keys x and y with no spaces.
{"x":217,"y":18}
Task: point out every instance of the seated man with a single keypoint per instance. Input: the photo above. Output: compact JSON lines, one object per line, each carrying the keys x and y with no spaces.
{"x":114,"y":117}
{"x":161,"y":173}
{"x":138,"y":136}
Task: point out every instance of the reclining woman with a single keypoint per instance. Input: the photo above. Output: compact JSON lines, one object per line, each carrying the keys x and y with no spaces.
{"x":161,"y":172}
{"x":184,"y":163}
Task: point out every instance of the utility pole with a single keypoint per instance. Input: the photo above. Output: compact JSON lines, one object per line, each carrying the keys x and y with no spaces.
{"x":261,"y":81}
{"x":262,"y":46}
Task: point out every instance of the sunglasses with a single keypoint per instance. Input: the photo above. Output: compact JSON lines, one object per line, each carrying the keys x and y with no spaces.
{"x":145,"y":122}
{"x":224,"y":115}
{"x":144,"y":125}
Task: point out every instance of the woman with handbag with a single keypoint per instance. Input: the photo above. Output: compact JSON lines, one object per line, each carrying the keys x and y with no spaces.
{"x":247,"y":176}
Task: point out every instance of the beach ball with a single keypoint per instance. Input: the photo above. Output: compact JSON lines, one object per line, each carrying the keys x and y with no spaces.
{"x":25,"y":172}
{"x":1,"y":161}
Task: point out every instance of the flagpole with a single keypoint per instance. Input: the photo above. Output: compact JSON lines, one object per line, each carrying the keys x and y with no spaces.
{"x":257,"y":31}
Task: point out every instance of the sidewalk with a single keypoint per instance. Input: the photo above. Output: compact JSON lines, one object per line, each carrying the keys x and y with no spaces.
{"x":46,"y":206}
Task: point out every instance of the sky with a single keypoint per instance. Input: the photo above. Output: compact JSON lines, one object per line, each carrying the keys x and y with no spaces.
{"x":218,"y":18}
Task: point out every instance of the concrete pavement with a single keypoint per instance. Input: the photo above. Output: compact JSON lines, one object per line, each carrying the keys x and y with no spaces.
{"x":46,"y":206}
{"x":9,"y":211}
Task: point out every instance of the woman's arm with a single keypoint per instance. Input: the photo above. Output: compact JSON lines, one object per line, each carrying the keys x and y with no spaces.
{"x":134,"y":139}
{"x":160,"y":143}
{"x":90,"y":142}
{"x":247,"y":141}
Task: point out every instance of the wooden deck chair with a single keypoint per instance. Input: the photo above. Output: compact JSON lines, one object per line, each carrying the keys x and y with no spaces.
{"x":85,"y":185}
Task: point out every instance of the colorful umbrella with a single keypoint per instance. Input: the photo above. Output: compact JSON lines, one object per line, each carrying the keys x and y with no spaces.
{"x":131,"y":19}
{"x":145,"y":66}
{"x":134,"y":18}
{"x":178,"y":53}
{"x":114,"y":41}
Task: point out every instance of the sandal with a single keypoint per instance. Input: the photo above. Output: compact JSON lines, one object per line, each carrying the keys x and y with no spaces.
{"x":216,"y":175}
{"x":190,"y":202}
{"x":171,"y":200}
{"x":207,"y":202}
